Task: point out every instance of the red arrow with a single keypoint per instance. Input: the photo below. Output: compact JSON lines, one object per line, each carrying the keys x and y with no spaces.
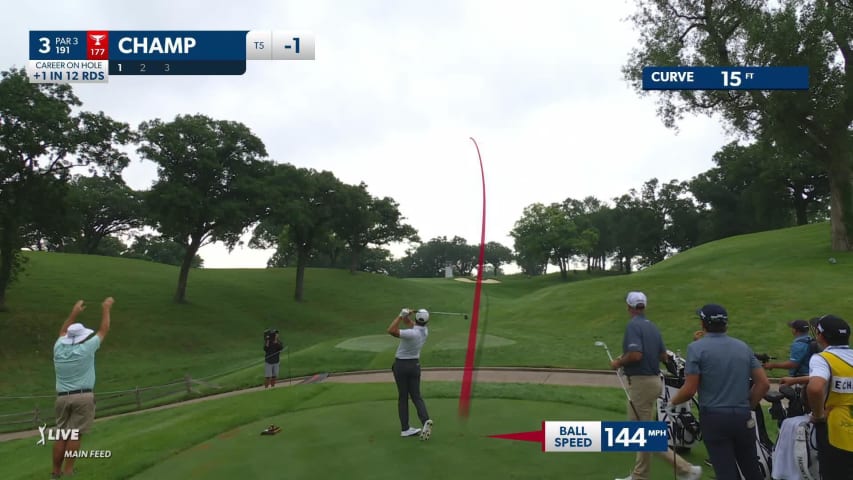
{"x":534,"y":436}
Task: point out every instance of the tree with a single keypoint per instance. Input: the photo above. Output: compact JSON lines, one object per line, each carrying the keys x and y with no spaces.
{"x":815,"y":124}
{"x":530,"y":240}
{"x":210,"y":182}
{"x":497,"y":255}
{"x":41,"y":140}
{"x":302,"y":205}
{"x":365,"y":221}
{"x":161,"y":250}
{"x":101,"y":206}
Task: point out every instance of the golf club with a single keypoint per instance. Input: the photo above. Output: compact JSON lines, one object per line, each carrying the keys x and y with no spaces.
{"x":619,"y":374}
{"x":599,"y":343}
{"x":464,"y":315}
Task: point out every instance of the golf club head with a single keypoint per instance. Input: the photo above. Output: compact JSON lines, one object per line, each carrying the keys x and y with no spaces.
{"x":599,"y":343}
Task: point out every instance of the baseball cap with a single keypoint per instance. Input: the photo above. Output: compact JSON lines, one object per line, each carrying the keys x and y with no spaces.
{"x":636,"y":300}
{"x":422,"y":316}
{"x":799,"y":325}
{"x":834,"y":329}
{"x":713,"y":313}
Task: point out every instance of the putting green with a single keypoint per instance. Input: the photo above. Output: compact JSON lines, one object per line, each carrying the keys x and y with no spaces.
{"x":384,"y":343}
{"x":361,"y":440}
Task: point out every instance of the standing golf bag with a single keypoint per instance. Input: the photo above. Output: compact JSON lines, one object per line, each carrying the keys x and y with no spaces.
{"x":763,"y":445}
{"x":683,"y":427}
{"x":805,"y":443}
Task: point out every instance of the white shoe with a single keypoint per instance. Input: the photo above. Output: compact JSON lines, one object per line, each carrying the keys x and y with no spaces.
{"x":695,"y":473}
{"x":410,"y":432}
{"x":427,"y":431}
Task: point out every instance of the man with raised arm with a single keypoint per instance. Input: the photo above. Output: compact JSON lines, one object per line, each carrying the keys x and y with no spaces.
{"x":74,"y":363}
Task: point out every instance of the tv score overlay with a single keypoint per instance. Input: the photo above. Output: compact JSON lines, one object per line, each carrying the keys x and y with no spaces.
{"x":725,"y":78}
{"x":596,"y":436}
{"x":92,"y":56}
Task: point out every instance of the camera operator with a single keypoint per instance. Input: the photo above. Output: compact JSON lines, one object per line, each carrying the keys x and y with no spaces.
{"x":272,"y":350}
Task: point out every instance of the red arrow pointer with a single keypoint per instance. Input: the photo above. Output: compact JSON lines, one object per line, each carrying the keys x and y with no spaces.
{"x":534,"y":436}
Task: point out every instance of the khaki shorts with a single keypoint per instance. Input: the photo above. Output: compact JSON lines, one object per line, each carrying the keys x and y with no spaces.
{"x":75,"y":411}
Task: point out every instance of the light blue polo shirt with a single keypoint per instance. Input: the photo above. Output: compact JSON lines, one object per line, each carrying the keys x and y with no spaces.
{"x":75,"y":364}
{"x":725,"y":366}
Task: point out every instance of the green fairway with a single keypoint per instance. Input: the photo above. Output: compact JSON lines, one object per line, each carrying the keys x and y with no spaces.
{"x":344,"y":431}
{"x":764,"y":280}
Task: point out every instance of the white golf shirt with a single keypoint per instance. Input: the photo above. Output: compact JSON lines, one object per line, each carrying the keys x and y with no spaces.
{"x":411,"y":342}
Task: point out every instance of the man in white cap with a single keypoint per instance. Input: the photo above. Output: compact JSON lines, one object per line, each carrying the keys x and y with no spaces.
{"x":643,"y":351}
{"x":74,"y":362}
{"x":407,"y":370}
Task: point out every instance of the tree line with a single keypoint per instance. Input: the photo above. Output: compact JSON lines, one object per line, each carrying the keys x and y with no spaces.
{"x":793,"y":163}
{"x":214,"y":182}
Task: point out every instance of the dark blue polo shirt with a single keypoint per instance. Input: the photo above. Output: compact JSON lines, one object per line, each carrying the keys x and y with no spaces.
{"x":642,"y":335}
{"x":725,"y":366}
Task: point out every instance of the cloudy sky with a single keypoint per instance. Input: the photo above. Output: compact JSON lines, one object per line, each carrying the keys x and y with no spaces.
{"x":397,"y":89}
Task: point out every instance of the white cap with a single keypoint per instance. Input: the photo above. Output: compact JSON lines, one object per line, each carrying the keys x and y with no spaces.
{"x":76,"y":333}
{"x":422,"y":316}
{"x":636,"y":299}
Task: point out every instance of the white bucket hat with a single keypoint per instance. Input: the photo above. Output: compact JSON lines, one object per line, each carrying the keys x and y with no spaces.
{"x":77,"y":332}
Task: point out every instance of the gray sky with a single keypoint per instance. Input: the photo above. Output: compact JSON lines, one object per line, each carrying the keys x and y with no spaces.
{"x":397,"y":89}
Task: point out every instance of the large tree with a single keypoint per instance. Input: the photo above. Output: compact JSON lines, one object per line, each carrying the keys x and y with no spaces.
{"x":209,"y":186}
{"x":365,"y":221}
{"x":41,"y":140}
{"x":100,"y":206}
{"x":301,"y":208}
{"x":814,"y":33}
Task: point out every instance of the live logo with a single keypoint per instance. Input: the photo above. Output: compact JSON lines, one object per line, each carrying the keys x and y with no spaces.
{"x":97,"y":45}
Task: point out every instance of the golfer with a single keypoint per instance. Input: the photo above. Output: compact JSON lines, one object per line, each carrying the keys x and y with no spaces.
{"x":720,"y":368}
{"x":830,"y":392}
{"x":74,"y":362}
{"x":407,"y":370}
{"x":643,"y":351}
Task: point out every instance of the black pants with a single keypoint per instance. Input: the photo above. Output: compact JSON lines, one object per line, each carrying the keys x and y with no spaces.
{"x":834,"y":463}
{"x":407,"y":374}
{"x":730,"y":442}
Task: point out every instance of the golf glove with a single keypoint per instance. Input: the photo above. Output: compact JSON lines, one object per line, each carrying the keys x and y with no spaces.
{"x":405,"y":312}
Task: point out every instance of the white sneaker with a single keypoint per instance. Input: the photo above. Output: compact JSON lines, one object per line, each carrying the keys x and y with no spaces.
{"x":410,"y":432}
{"x":695,"y":473}
{"x":427,"y":431}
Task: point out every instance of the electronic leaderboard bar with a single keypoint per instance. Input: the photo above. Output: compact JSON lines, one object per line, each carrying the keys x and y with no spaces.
{"x":93,"y":56}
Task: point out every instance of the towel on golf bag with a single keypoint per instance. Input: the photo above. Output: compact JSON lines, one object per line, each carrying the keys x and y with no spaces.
{"x":789,"y":449}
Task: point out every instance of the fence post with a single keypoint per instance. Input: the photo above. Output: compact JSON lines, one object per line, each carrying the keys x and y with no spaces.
{"x":138,"y":399}
{"x":189,"y":381}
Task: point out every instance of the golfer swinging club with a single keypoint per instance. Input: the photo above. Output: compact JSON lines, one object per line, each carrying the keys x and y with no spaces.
{"x":407,"y":370}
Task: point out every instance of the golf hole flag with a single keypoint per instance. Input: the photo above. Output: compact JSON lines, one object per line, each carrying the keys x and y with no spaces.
{"x":595,"y":436}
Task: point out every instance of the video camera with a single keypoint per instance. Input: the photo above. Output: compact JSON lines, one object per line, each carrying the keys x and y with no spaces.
{"x":270,"y":333}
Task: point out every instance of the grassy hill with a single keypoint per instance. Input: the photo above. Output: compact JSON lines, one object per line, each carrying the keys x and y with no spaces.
{"x":763,"y":279}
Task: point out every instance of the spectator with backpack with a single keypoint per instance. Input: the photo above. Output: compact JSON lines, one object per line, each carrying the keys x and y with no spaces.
{"x":802,"y":349}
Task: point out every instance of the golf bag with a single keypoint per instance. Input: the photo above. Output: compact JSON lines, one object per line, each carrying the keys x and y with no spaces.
{"x":805,"y":443}
{"x":763,"y":445}
{"x":683,"y":427}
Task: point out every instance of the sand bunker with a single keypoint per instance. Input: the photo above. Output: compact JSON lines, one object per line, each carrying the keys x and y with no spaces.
{"x":468,"y":280}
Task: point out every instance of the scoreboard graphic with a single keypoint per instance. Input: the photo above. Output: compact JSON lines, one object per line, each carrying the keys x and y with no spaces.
{"x":92,"y":56}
